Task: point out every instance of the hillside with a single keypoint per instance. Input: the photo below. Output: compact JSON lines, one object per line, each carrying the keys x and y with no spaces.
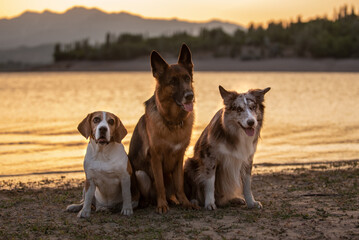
{"x":32,"y":29}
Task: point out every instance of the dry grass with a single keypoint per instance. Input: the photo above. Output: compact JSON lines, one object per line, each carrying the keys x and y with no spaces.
{"x":316,"y":203}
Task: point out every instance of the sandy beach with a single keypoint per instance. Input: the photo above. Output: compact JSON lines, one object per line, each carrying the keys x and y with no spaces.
{"x":314,"y":202}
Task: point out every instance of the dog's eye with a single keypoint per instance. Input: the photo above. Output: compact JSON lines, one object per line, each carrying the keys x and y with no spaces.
{"x":253,"y":107}
{"x":96,"y":120}
{"x":239,"y":109}
{"x":111,"y":121}
{"x":187,"y":79}
{"x":173,"y":81}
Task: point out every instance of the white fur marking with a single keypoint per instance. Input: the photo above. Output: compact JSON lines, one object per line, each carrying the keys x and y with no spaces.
{"x":103,"y":123}
{"x":177,"y":147}
{"x":209,"y":193}
{"x":247,"y":192}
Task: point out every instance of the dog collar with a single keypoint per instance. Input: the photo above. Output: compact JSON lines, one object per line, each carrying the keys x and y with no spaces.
{"x":174,"y":125}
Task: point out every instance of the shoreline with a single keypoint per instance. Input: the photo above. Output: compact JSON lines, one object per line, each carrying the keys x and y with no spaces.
{"x":201,"y":64}
{"x":303,"y":204}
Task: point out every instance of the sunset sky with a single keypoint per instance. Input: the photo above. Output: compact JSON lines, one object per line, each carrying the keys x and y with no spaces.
{"x":237,"y":11}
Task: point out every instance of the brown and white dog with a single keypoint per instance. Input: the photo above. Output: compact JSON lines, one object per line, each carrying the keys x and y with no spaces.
{"x":108,"y":171}
{"x":223,"y":155}
{"x":163,"y":133}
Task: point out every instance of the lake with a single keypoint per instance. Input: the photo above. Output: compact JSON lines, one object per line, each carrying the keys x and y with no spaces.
{"x":310,"y":117}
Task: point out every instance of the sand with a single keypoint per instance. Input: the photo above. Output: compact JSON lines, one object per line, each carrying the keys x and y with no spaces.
{"x":317,"y":202}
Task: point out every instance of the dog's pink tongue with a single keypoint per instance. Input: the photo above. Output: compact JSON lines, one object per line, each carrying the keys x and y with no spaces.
{"x":249,"y":131}
{"x":188,"y":107}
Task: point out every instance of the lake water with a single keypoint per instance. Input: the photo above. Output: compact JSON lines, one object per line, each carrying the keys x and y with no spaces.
{"x":309,"y":117}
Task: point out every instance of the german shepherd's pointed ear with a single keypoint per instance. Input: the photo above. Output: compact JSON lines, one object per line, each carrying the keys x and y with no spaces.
{"x":85,"y":126}
{"x":120,"y":131}
{"x":227,"y":96}
{"x":259,"y":93}
{"x":158,"y":64}
{"x":185,"y":58}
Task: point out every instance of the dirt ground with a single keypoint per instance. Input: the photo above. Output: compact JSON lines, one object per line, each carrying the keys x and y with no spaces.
{"x":319,"y":202}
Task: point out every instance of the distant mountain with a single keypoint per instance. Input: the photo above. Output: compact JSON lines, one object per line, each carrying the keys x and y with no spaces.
{"x":33,"y":29}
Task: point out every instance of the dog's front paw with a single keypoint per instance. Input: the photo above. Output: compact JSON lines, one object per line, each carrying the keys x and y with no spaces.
{"x":162,"y":208}
{"x":255,"y":204}
{"x":84,"y":213}
{"x":172,"y":199}
{"x":211,"y":206}
{"x":127,"y":211}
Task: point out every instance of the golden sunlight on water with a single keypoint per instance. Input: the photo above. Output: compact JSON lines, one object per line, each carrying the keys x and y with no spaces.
{"x":309,"y":116}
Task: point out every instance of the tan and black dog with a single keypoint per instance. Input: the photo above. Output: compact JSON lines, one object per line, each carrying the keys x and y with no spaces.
{"x":163,"y":133}
{"x":223,"y":155}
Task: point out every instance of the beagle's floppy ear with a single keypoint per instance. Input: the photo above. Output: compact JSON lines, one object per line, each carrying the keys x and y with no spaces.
{"x":120,"y":131}
{"x":85,"y":126}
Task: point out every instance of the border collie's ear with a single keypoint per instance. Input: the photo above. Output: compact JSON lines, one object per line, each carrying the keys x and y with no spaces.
{"x":185,"y":58}
{"x":226,"y":95}
{"x":158,"y":64}
{"x":85,"y":126}
{"x":120,"y":131}
{"x":259,"y":93}
{"x":264,"y":91}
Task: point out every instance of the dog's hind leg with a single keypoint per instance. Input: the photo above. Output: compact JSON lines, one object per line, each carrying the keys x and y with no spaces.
{"x":237,"y":201}
{"x":76,"y":207}
{"x":144,"y":183}
{"x":178,"y":180}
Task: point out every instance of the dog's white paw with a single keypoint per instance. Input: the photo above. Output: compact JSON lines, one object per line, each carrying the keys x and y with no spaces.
{"x":211,"y":206}
{"x":255,"y":204}
{"x":127,"y":211}
{"x":84,"y":213}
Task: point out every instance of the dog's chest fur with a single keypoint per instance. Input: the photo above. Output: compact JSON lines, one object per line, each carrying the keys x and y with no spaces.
{"x":170,"y":138}
{"x":239,"y":153}
{"x":232,"y":160}
{"x":107,"y":163}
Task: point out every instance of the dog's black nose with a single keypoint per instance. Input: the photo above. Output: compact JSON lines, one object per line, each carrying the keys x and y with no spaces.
{"x":189,"y":96}
{"x":103,"y":130}
{"x":250,"y":122}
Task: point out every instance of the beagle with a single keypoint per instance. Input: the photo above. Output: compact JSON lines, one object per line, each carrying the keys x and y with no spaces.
{"x":108,"y":171}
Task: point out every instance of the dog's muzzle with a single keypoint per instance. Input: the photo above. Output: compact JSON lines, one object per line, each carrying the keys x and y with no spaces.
{"x":250,"y":130}
{"x":188,"y":101}
{"x":102,"y":136}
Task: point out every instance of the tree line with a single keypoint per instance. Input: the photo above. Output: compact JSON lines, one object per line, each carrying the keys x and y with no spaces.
{"x":317,"y":38}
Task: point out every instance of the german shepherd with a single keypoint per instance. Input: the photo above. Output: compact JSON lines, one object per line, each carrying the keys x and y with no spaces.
{"x":163,"y":133}
{"x":223,"y":155}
